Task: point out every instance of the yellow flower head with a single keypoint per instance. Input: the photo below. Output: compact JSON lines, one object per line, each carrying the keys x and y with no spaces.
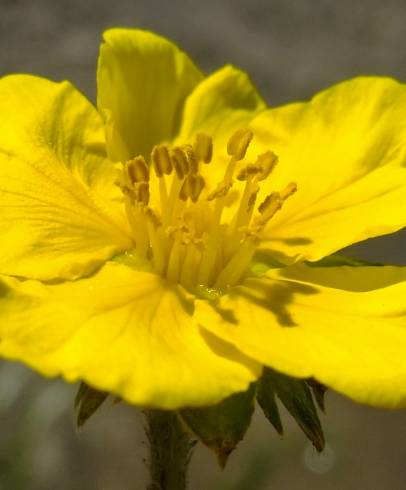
{"x":167,"y":246}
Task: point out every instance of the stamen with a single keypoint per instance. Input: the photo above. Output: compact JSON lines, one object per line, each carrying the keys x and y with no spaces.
{"x":270,"y":201}
{"x":272,"y":204}
{"x":220,"y":191}
{"x":190,"y":264}
{"x":142,"y":234}
{"x":190,"y":242}
{"x":157,"y":240}
{"x":238,"y":143}
{"x":267,"y":162}
{"x":179,"y":162}
{"x":136,"y":220}
{"x":192,"y":187}
{"x":175,"y":259}
{"x":236,"y":147}
{"x":161,"y":160}
{"x":245,"y":209}
{"x":248,"y":171}
{"x":252,"y":198}
{"x":288,"y":191}
{"x":137,"y":170}
{"x":191,"y":158}
{"x":203,"y":148}
{"x":142,"y":193}
{"x":238,"y":264}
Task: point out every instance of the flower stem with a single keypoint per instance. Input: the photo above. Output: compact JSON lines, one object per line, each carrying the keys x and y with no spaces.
{"x":169,"y":451}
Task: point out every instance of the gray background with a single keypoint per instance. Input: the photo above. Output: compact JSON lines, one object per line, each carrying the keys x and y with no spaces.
{"x":292,"y":49}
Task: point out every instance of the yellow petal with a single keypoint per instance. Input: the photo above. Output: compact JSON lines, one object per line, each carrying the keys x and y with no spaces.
{"x":222,"y":103}
{"x":143,"y":80}
{"x":325,"y":323}
{"x":122,"y":331}
{"x":58,"y":217}
{"x":346,"y":150}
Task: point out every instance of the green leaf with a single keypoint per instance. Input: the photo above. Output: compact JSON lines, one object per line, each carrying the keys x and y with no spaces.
{"x":87,"y":401}
{"x":297,"y":398}
{"x":222,"y":426}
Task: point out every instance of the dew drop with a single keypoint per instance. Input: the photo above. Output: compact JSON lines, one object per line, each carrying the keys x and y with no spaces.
{"x":319,"y":463}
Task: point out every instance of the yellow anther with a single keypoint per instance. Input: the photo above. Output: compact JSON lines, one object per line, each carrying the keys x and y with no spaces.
{"x":191,"y":158}
{"x":253,"y":197}
{"x":161,"y":160}
{"x":288,"y":191}
{"x":137,"y":170}
{"x":180,"y":162}
{"x":248,"y":171}
{"x":142,"y":193}
{"x":198,"y":186}
{"x":200,"y":244}
{"x":192,"y":187}
{"x":221,"y":191}
{"x":238,"y":143}
{"x":152,"y":217}
{"x":180,"y":230}
{"x":273,"y":201}
{"x":203,"y":148}
{"x":267,"y":162}
{"x":128,"y":191}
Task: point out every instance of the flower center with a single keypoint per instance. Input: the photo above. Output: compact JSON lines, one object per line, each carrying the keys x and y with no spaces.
{"x":179,"y":223}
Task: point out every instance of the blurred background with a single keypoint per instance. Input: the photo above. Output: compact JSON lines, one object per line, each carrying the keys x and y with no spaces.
{"x":292,"y":49}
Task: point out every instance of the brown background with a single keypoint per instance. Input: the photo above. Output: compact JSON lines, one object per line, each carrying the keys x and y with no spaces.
{"x":292,"y":49}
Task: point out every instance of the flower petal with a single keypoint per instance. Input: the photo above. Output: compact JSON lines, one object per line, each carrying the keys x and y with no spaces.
{"x":222,"y":103}
{"x":346,"y":150}
{"x":57,"y":214}
{"x":121,"y":331}
{"x":143,"y":80}
{"x":325,"y":323}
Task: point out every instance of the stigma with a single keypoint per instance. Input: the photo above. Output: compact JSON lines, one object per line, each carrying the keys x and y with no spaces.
{"x":178,"y":220}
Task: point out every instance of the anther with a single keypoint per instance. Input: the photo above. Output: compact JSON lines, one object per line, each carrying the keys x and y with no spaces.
{"x":180,"y":231}
{"x":288,"y":191}
{"x":152,"y":217}
{"x":272,"y":201}
{"x":248,"y":171}
{"x":137,"y":170}
{"x":142,"y":193}
{"x":267,"y":162}
{"x":191,"y":158}
{"x":192,"y":187}
{"x":221,"y":191}
{"x":179,"y":162}
{"x":252,"y":198}
{"x":161,"y":160}
{"x":203,"y":148}
{"x":238,"y":143}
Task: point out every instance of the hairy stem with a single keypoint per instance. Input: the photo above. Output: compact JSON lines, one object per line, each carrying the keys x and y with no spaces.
{"x":169,"y":451}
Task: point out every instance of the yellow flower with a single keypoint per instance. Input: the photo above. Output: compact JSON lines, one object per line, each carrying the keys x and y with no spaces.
{"x":157,"y":249}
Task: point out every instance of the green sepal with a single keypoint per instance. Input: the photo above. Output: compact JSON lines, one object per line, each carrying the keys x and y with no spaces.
{"x":222,"y":426}
{"x":267,"y":401}
{"x":297,"y":398}
{"x":87,"y":401}
{"x":318,"y":390}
